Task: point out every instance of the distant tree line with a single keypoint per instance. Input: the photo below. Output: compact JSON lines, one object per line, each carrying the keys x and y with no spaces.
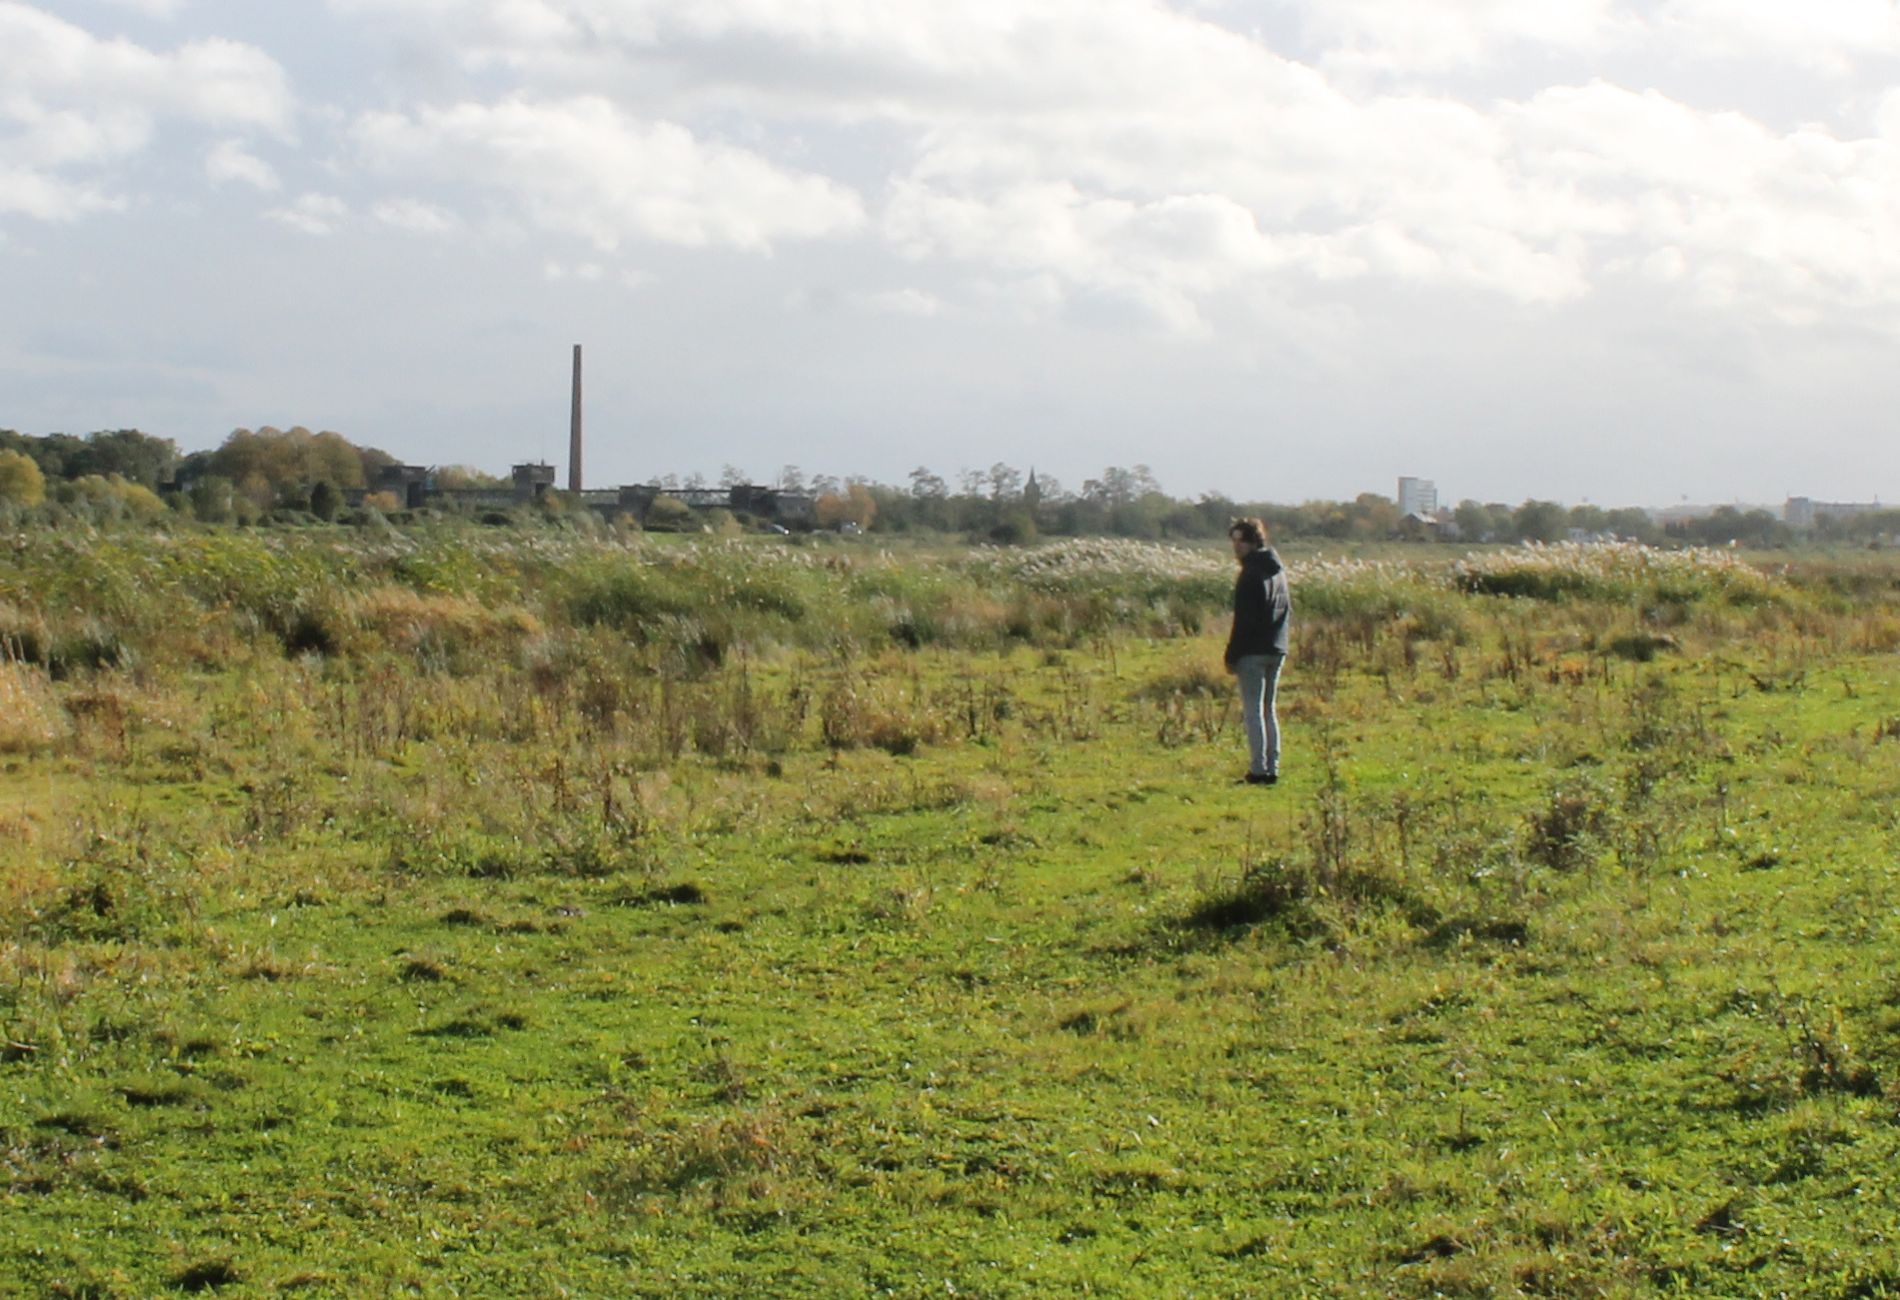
{"x":251,"y":475}
{"x":290,"y":474}
{"x":1003,"y":504}
{"x":106,"y":476}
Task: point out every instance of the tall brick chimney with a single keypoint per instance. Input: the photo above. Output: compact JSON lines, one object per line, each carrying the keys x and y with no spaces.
{"x":574,"y":429}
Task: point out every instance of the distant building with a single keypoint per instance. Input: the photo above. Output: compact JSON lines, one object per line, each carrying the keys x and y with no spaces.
{"x":411,"y":485}
{"x":1803,"y":513}
{"x":1418,"y":496}
{"x":773,"y":504}
{"x":531,"y":481}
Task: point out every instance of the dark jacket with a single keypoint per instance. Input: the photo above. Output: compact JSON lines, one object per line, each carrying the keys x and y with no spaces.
{"x":1261,"y":607}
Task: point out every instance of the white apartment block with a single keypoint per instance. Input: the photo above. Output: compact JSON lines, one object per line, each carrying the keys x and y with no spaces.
{"x":1801,"y":512}
{"x":1418,"y":496}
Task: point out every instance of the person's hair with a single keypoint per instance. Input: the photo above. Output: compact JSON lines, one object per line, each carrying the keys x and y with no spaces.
{"x":1250,"y":530}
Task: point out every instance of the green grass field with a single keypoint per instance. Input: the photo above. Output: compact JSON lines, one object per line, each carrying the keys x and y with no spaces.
{"x":467,"y":915}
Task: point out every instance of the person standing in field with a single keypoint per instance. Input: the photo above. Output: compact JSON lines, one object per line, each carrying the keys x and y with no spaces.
{"x":1256,"y":648}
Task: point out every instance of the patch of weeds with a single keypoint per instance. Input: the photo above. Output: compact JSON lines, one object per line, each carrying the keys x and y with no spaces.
{"x":1723,"y":1220}
{"x":188,"y":1047}
{"x":459,"y":1027}
{"x":907,"y":903}
{"x":685,"y":894}
{"x":423,"y":970}
{"x":1251,"y":1248}
{"x":91,"y":648}
{"x":727,"y":1077}
{"x":1464,"y":929}
{"x":1302,"y":900}
{"x":148,"y":1094}
{"x":1116,"y":1021}
{"x":267,"y":969}
{"x":79,"y":1123}
{"x":1273,"y":890}
{"x":730,"y":1154}
{"x":1566,"y":832}
{"x":1641,"y":647}
{"x":127,"y":1187}
{"x":1828,"y":1062}
{"x":112,"y":902}
{"x":1864,"y":1284}
{"x":1802,"y":1150}
{"x":1438,"y":1246}
{"x":471,"y":854}
{"x":1140,"y":1174}
{"x":1195,"y":678}
{"x":1461,"y":1141}
{"x":1416,"y":1024}
{"x":306,"y":1280}
{"x":207,"y":1275}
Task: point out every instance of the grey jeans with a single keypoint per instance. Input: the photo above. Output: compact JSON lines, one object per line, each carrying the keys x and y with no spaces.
{"x":1259,"y":683}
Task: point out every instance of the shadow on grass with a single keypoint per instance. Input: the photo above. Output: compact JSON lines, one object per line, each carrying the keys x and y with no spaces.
{"x":681,"y":895}
{"x":1297,"y":900}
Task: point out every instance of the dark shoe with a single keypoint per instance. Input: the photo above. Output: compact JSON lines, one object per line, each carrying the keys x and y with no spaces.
{"x":1262,"y":778}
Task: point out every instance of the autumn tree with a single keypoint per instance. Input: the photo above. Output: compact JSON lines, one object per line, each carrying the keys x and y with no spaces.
{"x":1005,"y":482}
{"x":273,"y":465}
{"x":668,"y":514}
{"x":21,"y":483}
{"x":1540,"y":521}
{"x":455,"y":478}
{"x":110,"y":498}
{"x":133,"y":456}
{"x":325,"y":501}
{"x":855,"y":505}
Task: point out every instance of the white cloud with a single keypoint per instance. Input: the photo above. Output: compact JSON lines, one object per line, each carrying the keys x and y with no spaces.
{"x":152,"y":8}
{"x":75,"y":103}
{"x":1421,"y":36}
{"x":1133,"y":152}
{"x":214,"y":81}
{"x":901,"y":302}
{"x":584,"y":168}
{"x":47,"y":198}
{"x":1825,"y":35}
{"x":313,"y":214}
{"x":415,"y":216}
{"x":1797,"y":219}
{"x":229,"y":160}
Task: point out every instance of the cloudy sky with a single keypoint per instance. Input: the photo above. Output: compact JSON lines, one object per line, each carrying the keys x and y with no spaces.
{"x":1623,"y":251}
